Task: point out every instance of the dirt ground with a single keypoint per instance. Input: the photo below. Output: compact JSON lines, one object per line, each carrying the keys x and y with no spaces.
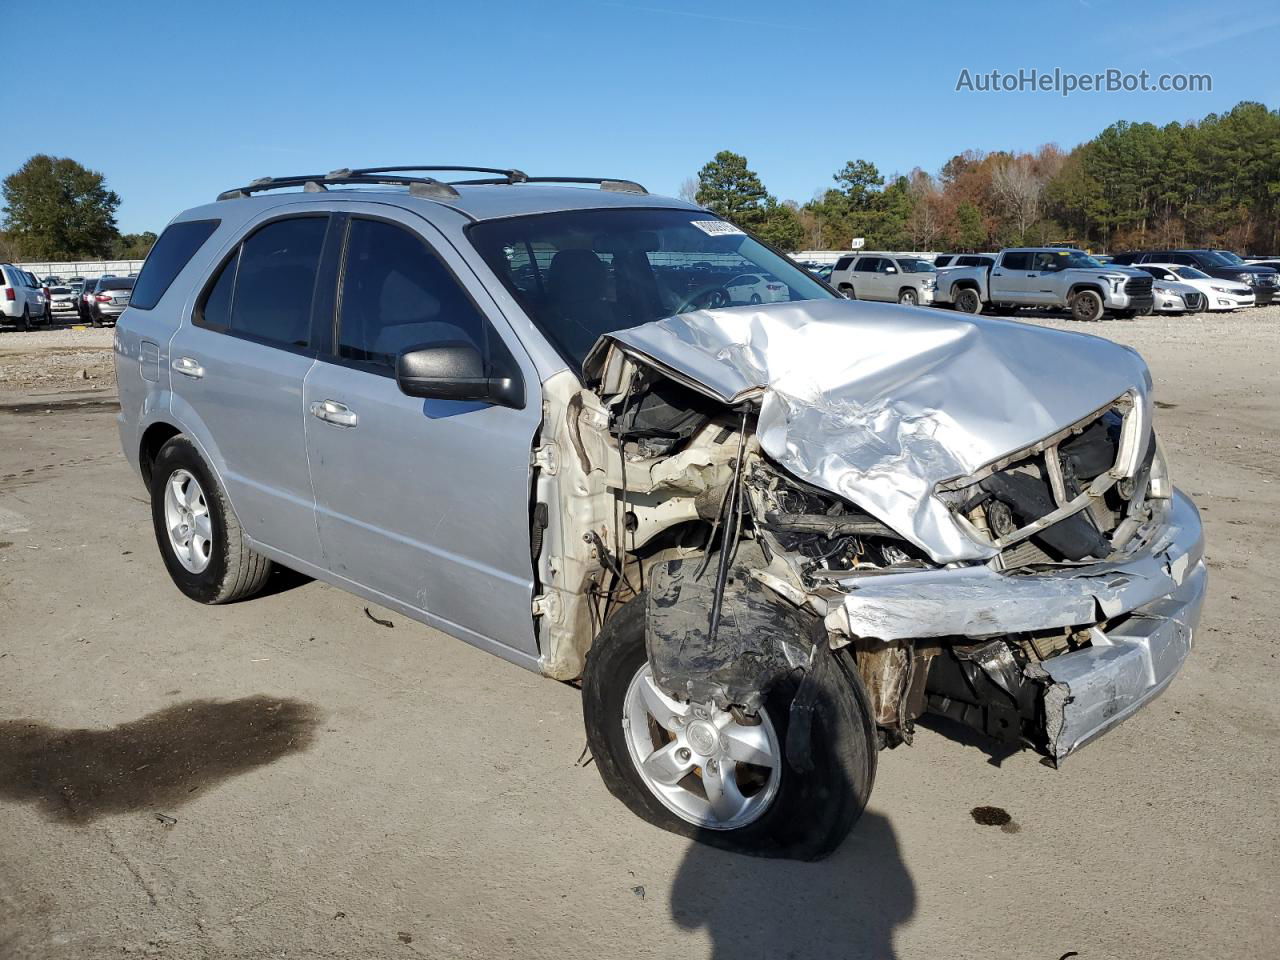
{"x":286,"y":777}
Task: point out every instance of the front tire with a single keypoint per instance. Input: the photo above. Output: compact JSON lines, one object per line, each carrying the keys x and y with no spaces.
{"x":199,"y":536}
{"x":908,"y":298}
{"x":1087,"y":306}
{"x":772,"y":809}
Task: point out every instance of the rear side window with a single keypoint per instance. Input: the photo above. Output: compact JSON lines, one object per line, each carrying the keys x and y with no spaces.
{"x":264,"y":291}
{"x":1016,"y":261}
{"x":173,"y":251}
{"x":396,"y":294}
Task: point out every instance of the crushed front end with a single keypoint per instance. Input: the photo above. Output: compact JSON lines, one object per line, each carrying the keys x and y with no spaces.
{"x":792,"y":485}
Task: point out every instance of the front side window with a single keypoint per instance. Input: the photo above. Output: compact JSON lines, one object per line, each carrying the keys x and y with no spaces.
{"x":397,"y":294}
{"x":867,"y":265}
{"x":264,"y":290}
{"x":583,"y":273}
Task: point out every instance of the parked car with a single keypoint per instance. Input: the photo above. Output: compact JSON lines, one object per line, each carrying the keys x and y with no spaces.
{"x":47,"y":317}
{"x":52,"y":281}
{"x":85,"y":303}
{"x":21,"y":301}
{"x":110,"y":297}
{"x":1048,"y":277}
{"x":1219,"y":294}
{"x":765,"y":539}
{"x":1173,"y":296}
{"x":885,"y":276}
{"x":757,"y":288}
{"x":1261,"y":279}
{"x":1272,"y":262}
{"x":62,"y":302}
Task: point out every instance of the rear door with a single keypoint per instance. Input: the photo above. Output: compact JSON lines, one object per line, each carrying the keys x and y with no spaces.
{"x":239,"y":365}
{"x":865,"y":278}
{"x":1012,"y":277}
{"x":424,"y":503}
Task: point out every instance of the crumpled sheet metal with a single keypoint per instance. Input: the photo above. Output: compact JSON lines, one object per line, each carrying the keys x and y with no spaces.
{"x":1123,"y":669}
{"x":879,"y":403}
{"x":975,"y":601}
{"x":760,"y":640}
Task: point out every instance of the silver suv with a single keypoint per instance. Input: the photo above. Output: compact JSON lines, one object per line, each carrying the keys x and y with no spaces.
{"x":891,"y":277}
{"x":766,"y":538}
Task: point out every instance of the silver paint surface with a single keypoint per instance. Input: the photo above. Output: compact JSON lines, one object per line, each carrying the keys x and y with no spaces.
{"x":879,"y":403}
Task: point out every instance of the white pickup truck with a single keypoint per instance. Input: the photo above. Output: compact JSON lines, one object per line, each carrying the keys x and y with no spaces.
{"x":1047,"y":277}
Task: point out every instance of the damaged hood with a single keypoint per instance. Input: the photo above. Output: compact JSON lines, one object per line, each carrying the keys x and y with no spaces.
{"x":879,"y":403}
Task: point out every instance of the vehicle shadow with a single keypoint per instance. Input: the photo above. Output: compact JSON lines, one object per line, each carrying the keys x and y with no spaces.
{"x":996,"y":751}
{"x":847,"y":906}
{"x":161,"y":760}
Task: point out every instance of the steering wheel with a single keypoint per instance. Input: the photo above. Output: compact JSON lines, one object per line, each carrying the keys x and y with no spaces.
{"x":719,"y":298}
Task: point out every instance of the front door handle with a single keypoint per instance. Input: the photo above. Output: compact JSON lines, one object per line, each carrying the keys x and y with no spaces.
{"x":188,"y":368}
{"x":331,"y":411}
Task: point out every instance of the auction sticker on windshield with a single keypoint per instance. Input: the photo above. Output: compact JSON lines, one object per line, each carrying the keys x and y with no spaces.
{"x":716,"y":228}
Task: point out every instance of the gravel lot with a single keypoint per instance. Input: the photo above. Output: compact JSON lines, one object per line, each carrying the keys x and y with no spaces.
{"x":312,"y":784}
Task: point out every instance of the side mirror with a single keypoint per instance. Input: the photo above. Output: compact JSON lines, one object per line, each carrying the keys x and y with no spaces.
{"x":455,"y":371}
{"x":890,"y":269}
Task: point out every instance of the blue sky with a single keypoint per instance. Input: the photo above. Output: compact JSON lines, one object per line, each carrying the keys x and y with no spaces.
{"x":175,"y":102}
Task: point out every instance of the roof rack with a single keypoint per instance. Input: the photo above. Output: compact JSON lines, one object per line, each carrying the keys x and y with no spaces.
{"x":319,"y":183}
{"x":418,"y":186}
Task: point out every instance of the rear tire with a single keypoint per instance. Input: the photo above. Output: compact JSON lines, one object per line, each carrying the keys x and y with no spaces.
{"x":26,"y":318}
{"x":810,"y":813}
{"x":225,"y":569}
{"x":968,"y":301}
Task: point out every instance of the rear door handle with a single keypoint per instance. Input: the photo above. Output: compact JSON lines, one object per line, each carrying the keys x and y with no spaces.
{"x":331,"y":411}
{"x":188,"y":368}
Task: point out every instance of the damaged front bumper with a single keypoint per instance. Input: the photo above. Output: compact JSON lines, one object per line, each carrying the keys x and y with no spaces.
{"x":1140,"y":612}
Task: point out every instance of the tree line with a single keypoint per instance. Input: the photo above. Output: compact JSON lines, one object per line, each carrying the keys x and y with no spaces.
{"x":56,"y":209}
{"x":1214,"y":182}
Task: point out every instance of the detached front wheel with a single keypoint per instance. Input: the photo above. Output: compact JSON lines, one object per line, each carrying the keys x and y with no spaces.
{"x":724,"y":778}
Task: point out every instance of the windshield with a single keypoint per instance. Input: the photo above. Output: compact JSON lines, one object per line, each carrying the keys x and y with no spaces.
{"x":584,"y":273}
{"x":1214,"y":259}
{"x":1231,"y":258}
{"x":1190,"y":273}
{"x":916,"y":266}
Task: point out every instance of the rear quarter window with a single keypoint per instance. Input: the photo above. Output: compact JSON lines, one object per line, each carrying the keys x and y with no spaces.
{"x":173,"y":251}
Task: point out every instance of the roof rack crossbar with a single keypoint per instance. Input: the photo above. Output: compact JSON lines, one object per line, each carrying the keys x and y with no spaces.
{"x":510,"y":175}
{"x":605,"y":183}
{"x":418,"y":186}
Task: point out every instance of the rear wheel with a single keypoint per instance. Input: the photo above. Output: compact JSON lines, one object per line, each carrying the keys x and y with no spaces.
{"x":26,"y":318}
{"x":197,"y":532}
{"x":722,"y":778}
{"x":1086,"y":306}
{"x":755,"y":299}
{"x":968,"y":301}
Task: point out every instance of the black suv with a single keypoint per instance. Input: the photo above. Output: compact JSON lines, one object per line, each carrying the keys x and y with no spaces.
{"x":1263,"y":280}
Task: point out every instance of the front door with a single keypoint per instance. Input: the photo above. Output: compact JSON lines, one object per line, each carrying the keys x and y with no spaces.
{"x":425,"y":503}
